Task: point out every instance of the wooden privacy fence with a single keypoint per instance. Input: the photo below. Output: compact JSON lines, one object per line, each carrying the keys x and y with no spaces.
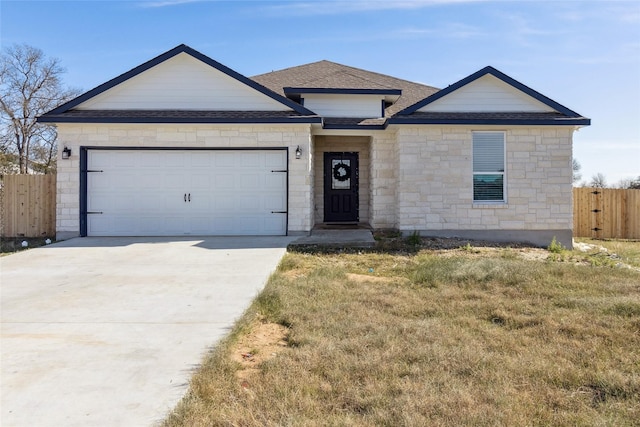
{"x":28,"y":205}
{"x":606,"y":213}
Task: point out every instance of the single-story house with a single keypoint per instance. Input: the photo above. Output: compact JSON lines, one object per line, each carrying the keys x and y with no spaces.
{"x":185,"y":145}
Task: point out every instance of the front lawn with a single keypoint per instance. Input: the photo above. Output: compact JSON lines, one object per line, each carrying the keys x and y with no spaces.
{"x":467,"y":337}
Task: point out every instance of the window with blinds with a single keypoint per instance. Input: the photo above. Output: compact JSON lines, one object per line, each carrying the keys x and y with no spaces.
{"x":488,"y":167}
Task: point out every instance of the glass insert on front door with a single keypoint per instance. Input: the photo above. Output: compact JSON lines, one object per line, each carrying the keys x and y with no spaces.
{"x":341,"y":174}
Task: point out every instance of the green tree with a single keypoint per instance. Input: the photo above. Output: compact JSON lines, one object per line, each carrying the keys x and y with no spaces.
{"x":30,"y":85}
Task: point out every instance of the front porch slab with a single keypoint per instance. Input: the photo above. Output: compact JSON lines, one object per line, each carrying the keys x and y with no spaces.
{"x":351,"y":238}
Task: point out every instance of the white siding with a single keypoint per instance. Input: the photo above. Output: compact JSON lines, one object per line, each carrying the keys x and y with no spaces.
{"x":486,"y":94}
{"x":334,"y":105}
{"x":182,"y":83}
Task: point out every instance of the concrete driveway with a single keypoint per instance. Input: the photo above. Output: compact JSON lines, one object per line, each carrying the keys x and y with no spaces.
{"x":107,"y":331}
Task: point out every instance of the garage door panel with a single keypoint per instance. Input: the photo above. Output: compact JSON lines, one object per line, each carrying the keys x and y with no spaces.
{"x":98,"y":225}
{"x":150,"y":180}
{"x":151,"y":202}
{"x":249,"y":181}
{"x":99,"y":201}
{"x":142,"y":192}
{"x":275,"y":181}
{"x":125,"y":224}
{"x":275,"y":160}
{"x":200,"y":225}
{"x":199,"y":181}
{"x":275,"y":203}
{"x":98,"y":182}
{"x":153,"y":159}
{"x":202,"y":161}
{"x":222,"y":181}
{"x":249,"y":204}
{"x":225,"y":159}
{"x":151,"y":224}
{"x":175,"y":160}
{"x":274,"y":223}
{"x":119,"y":158}
{"x":173,"y":180}
{"x":252,"y":160}
{"x":248,"y":225}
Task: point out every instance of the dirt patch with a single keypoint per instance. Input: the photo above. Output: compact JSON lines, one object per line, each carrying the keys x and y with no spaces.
{"x":263,"y":342}
{"x":362,"y":278}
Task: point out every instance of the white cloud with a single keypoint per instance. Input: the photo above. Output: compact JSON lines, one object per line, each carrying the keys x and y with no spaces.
{"x":336,"y":7}
{"x":449,"y":30}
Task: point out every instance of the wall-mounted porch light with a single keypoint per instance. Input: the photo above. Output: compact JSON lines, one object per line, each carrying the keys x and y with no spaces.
{"x":66,"y":153}
{"x":298,"y":152}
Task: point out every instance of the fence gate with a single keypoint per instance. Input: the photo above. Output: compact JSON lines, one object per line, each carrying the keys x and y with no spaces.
{"x":606,"y":213}
{"x":28,"y":205}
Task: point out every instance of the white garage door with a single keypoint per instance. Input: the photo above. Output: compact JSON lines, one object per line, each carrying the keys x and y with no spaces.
{"x":178,"y":192}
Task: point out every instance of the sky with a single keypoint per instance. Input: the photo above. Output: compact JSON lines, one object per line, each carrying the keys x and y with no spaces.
{"x":583,"y":54}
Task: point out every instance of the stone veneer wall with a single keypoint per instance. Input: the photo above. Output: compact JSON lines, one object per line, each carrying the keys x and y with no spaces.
{"x":193,"y":136}
{"x":359,"y":144}
{"x":435,"y":192}
{"x":419,"y":177}
{"x":384,"y":180}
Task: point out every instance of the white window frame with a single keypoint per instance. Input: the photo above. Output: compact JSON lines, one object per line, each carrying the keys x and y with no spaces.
{"x":503,"y":172}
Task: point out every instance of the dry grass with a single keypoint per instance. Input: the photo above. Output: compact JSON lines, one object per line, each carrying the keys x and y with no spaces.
{"x":466,"y":337}
{"x":628,"y":251}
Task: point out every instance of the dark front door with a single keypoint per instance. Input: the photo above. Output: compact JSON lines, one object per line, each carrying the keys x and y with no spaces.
{"x":341,"y":187}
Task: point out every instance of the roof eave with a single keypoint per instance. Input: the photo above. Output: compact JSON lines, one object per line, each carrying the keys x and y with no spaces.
{"x":354,"y":127}
{"x":577,"y":121}
{"x":345,"y":91}
{"x":178,"y":120}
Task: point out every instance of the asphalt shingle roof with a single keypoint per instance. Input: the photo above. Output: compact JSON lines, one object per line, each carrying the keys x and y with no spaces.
{"x":179,"y":116}
{"x":531,"y":118}
{"x":327,"y":74}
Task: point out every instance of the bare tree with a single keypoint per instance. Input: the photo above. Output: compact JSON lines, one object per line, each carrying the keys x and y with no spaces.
{"x":576,"y":166}
{"x":598,"y":180}
{"x":629,"y":183}
{"x":30,"y":85}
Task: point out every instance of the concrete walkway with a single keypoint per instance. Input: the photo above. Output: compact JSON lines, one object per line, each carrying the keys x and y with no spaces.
{"x":107,"y":331}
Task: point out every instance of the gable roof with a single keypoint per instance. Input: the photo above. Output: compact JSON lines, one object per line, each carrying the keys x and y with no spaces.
{"x":560,"y":114}
{"x":331,"y":75}
{"x":65,"y":112}
{"x":406,"y":100}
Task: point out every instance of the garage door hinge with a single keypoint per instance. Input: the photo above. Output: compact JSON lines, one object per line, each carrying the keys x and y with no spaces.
{"x":279,"y":170}
{"x":94,"y":213}
{"x":279,"y":212}
{"x":94,"y":171}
